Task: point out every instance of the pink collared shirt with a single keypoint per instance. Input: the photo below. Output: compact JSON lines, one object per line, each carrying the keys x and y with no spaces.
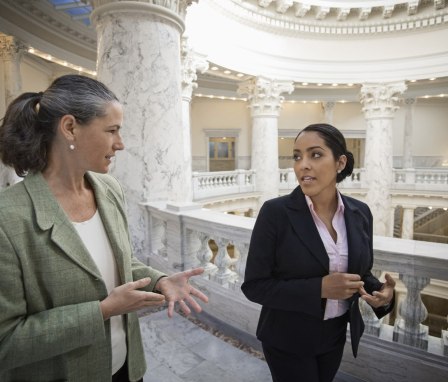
{"x":337,"y":252}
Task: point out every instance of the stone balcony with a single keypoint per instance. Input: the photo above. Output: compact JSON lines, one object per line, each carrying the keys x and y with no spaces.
{"x":399,"y":346}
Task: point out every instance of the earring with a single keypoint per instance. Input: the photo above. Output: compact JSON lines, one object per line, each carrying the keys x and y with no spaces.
{"x":339,"y":171}
{"x":71,"y":147}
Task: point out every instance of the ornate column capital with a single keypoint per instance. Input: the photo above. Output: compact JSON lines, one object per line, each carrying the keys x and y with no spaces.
{"x":11,"y":49}
{"x":265,"y":95}
{"x":381,"y":100}
{"x":173,"y":10}
{"x":192,"y":62}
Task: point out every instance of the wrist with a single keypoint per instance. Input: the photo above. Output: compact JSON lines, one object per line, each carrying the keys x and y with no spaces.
{"x":158,"y":286}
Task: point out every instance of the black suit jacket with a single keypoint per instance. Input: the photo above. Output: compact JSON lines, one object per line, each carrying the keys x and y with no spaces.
{"x":285,"y":266}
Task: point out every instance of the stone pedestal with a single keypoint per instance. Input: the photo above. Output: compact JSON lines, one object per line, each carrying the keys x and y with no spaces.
{"x":265,"y":102}
{"x":379,"y":104}
{"x":139,"y":59}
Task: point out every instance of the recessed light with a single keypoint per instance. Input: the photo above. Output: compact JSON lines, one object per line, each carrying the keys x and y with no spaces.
{"x":432,"y":79}
{"x":349,"y":84}
{"x":304,"y":83}
{"x":334,"y":84}
{"x":214,"y":68}
{"x":319,"y":84}
{"x":227,"y":72}
{"x":240,"y":75}
{"x":413,"y":81}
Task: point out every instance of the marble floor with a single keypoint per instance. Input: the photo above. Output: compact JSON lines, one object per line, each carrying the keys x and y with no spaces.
{"x":177,"y":350}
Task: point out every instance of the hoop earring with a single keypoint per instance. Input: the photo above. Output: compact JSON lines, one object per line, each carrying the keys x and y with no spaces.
{"x":71,"y":147}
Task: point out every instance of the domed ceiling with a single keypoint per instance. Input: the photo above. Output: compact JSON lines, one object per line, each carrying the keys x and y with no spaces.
{"x":332,"y":45}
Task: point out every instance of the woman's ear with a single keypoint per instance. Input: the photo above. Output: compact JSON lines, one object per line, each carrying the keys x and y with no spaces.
{"x":66,"y":126}
{"x":342,"y":162}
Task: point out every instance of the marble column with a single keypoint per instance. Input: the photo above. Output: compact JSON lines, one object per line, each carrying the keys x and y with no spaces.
{"x":408,"y":132}
{"x":139,"y":59}
{"x":328,"y":108}
{"x":407,"y":230}
{"x":379,"y":101}
{"x":191,"y":63}
{"x":265,"y":100}
{"x":11,"y":53}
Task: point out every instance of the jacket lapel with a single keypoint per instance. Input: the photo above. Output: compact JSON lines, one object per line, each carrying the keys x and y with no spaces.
{"x":50,"y":216}
{"x":354,"y":223}
{"x":303,"y":225}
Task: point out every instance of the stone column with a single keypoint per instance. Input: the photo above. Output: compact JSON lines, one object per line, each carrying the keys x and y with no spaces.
{"x":379,"y":104}
{"x":11,"y":53}
{"x":407,"y":230}
{"x":191,"y":63}
{"x":408,"y":130}
{"x":139,"y":59}
{"x":328,"y":108}
{"x":265,"y":103}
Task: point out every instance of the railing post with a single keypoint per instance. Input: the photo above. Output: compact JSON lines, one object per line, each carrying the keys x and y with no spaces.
{"x":445,"y":341}
{"x":240,"y":265}
{"x":223,"y":261}
{"x":408,"y":329}
{"x":205,"y":254}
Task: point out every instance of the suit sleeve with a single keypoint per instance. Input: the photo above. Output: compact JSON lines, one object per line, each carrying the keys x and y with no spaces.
{"x":28,"y":338}
{"x":371,"y":283}
{"x":261,"y":284}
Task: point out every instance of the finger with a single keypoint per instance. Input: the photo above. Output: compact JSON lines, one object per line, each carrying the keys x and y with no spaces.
{"x":197,"y":293}
{"x":352,"y":277}
{"x":389,"y":280}
{"x":150,"y":296}
{"x":192,"y":302}
{"x":194,"y":272}
{"x":140,"y":283}
{"x":362,"y":291}
{"x":184,"y":307}
{"x":170,"y":309}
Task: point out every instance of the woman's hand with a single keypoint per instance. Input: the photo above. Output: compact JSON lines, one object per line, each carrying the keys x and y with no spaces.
{"x":340,"y":286}
{"x":127,"y":298}
{"x":176,"y":288}
{"x":382,"y":297}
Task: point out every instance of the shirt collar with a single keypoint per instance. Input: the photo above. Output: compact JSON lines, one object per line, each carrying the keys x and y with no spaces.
{"x":340,"y":207}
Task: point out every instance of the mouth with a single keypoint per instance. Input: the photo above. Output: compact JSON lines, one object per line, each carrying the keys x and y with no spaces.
{"x":307,"y":179}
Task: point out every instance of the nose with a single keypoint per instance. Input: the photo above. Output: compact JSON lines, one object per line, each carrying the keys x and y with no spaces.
{"x":305,"y":163}
{"x":118,"y":144}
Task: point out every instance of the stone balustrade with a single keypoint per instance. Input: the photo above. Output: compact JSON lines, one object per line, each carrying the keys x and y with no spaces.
{"x":211,"y":184}
{"x":180,"y":237}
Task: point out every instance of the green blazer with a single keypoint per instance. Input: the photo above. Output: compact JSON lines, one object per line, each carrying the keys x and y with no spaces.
{"x":51,"y":326}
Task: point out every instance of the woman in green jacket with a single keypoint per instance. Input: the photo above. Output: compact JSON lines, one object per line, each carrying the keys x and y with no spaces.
{"x":70,"y":285}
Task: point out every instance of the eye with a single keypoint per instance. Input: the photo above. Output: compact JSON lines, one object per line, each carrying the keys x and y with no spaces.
{"x":296,"y":157}
{"x":316,"y":154}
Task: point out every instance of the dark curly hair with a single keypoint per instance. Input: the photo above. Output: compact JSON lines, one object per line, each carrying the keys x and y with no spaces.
{"x":334,"y":139}
{"x":29,"y":125}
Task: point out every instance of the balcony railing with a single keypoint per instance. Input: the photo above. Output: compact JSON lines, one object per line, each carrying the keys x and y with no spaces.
{"x":179,"y":237}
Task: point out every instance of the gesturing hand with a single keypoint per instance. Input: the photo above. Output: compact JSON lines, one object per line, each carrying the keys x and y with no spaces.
{"x":381,"y":297}
{"x":340,"y":286}
{"x":127,"y":298}
{"x":176,"y":288}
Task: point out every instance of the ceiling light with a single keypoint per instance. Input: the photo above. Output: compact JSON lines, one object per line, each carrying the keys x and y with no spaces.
{"x":227,"y":72}
{"x":31,"y":50}
{"x":429,"y":207}
{"x":349,"y":84}
{"x":240,"y":75}
{"x":432,"y":79}
{"x":304,"y":83}
{"x":334,"y":84}
{"x":319,"y":84}
{"x":214,"y":68}
{"x":413,"y":80}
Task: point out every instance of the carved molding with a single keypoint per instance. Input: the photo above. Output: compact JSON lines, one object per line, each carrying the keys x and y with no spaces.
{"x":286,"y":17}
{"x":264,"y":95}
{"x":192,"y":63}
{"x":10,"y":48}
{"x":381,"y":100}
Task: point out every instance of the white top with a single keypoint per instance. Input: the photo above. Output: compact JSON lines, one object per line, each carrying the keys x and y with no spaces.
{"x":95,"y":239}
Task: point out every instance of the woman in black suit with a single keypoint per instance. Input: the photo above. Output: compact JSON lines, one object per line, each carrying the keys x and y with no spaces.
{"x":309,"y":261}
